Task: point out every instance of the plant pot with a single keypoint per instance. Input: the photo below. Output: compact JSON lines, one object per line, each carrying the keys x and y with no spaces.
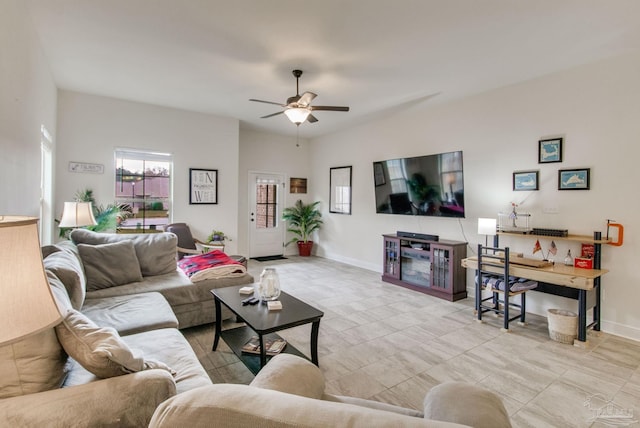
{"x":304,"y":248}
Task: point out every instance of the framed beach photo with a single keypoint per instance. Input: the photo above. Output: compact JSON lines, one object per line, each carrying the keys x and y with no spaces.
{"x":574,"y":179}
{"x":550,"y":150}
{"x":525,"y":180}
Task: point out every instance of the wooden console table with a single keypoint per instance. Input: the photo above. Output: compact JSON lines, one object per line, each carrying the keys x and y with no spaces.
{"x":560,"y":280}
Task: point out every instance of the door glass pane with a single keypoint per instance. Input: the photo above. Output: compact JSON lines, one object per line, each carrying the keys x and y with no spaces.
{"x":266,"y":205}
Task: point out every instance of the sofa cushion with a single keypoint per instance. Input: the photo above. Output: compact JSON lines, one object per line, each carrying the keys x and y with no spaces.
{"x":291,"y":374}
{"x":131,"y":314}
{"x":467,"y":404}
{"x":100,"y":350}
{"x":156,"y":252}
{"x":34,"y":364}
{"x":109,"y":265}
{"x":167,"y":345}
{"x":66,"y":266}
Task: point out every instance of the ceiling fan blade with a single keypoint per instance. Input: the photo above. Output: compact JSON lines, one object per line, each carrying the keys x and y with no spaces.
{"x":271,"y":115}
{"x":305,"y":99}
{"x":311,"y":118}
{"x":268,"y":102}
{"x":329,"y":108}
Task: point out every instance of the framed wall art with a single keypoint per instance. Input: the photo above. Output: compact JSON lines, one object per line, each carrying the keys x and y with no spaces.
{"x":203,"y":186}
{"x":297,"y":185}
{"x":574,"y":179}
{"x":525,"y":180}
{"x":550,"y":150}
{"x":340,"y":190}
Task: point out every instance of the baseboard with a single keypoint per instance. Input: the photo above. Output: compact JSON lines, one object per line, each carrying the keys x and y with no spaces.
{"x":622,"y":330}
{"x":355,"y":262}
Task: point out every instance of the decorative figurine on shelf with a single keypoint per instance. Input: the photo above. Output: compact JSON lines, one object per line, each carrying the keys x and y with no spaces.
{"x":514,"y":214}
{"x":569,"y":259}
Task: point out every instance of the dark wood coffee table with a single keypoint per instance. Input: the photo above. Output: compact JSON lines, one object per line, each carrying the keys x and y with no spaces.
{"x":263,"y":323}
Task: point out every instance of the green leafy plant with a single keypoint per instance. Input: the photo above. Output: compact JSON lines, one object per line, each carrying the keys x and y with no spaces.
{"x":108,"y":217}
{"x":304,"y":219}
{"x":217,"y":236}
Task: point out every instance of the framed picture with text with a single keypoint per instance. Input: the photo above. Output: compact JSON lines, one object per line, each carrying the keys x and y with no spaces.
{"x":203,"y":186}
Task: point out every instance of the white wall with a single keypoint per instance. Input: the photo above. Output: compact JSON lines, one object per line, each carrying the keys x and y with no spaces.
{"x":91,"y":127}
{"x":27,"y":101}
{"x":263,"y":152}
{"x":595,"y":107}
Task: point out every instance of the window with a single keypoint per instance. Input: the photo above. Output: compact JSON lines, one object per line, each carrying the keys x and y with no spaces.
{"x":143,"y":182}
{"x":266,"y":203}
{"x":46,"y":186}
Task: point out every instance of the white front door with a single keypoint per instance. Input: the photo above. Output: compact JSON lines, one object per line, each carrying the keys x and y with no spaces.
{"x":266,"y":228}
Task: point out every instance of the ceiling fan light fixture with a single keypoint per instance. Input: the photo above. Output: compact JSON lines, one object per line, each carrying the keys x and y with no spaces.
{"x":297,"y":115}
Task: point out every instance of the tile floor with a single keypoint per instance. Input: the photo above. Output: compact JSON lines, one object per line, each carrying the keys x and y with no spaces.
{"x":386,"y":343}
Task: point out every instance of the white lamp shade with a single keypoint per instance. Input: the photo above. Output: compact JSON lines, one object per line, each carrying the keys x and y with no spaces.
{"x":77,"y":214}
{"x":297,"y":115}
{"x":27,"y":305}
{"x":486,"y":226}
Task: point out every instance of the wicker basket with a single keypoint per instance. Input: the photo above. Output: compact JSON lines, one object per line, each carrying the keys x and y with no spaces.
{"x":563,"y":325}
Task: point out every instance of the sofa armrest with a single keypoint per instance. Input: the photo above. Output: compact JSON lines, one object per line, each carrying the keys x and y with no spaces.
{"x":467,"y":404}
{"x":123,"y":401}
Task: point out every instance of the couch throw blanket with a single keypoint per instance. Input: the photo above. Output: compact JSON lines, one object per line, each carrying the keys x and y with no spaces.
{"x":515,"y":283}
{"x":212,"y":265}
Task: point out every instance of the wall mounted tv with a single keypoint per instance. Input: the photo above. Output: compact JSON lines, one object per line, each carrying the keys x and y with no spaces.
{"x":430,"y":185}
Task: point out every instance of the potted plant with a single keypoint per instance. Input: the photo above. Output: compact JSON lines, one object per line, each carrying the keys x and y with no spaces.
{"x":108,"y":217}
{"x":217,"y":236}
{"x":304,"y":219}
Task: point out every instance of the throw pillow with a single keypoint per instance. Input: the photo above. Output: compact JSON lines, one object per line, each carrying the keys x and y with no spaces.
{"x":100,"y":350}
{"x":109,"y":265}
{"x":67,"y":267}
{"x":156,"y":251}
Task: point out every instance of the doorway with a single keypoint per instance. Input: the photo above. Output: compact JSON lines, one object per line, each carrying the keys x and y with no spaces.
{"x":266,"y":229}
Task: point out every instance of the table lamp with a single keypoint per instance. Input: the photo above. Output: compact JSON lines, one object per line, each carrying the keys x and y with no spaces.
{"x":77,"y":214}
{"x":486,"y":227}
{"x":27,"y":306}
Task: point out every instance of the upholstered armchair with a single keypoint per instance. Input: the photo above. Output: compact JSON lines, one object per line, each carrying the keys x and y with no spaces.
{"x":187,"y":244}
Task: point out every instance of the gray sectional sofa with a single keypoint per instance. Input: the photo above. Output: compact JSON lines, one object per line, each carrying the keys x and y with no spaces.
{"x":118,"y":352}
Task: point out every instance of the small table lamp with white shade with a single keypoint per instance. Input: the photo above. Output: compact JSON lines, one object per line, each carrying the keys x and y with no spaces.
{"x":27,"y":305}
{"x":486,"y":227}
{"x":77,"y":214}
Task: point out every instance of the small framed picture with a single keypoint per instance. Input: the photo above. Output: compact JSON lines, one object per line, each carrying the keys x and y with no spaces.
{"x":550,"y":150}
{"x":525,"y":180}
{"x":574,"y":179}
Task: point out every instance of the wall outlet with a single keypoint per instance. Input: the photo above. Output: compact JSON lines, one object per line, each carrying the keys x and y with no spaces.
{"x":550,"y":210}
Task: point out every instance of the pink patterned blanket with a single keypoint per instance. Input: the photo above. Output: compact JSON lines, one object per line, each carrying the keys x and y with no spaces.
{"x":211,"y":265}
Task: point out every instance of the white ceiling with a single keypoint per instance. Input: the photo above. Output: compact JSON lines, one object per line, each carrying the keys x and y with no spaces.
{"x":376,"y":56}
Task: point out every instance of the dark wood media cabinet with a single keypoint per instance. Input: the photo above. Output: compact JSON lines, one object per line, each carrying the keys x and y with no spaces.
{"x":431,"y":267}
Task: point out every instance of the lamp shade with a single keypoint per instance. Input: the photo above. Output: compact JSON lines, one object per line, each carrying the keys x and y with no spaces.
{"x":486,"y":226}
{"x":77,"y":214}
{"x":297,"y":115}
{"x":27,"y":305}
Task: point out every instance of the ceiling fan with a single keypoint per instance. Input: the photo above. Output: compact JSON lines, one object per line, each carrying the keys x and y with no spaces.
{"x":298,"y":108}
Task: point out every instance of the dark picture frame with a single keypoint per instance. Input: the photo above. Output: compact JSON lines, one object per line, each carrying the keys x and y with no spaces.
{"x":550,"y":150}
{"x":574,"y":179}
{"x":297,"y":185}
{"x":203,"y":186}
{"x":378,"y":174}
{"x":525,"y":180}
{"x":340,"y":190}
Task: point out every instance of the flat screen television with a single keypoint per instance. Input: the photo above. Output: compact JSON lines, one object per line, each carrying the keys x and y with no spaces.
{"x":431,"y":185}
